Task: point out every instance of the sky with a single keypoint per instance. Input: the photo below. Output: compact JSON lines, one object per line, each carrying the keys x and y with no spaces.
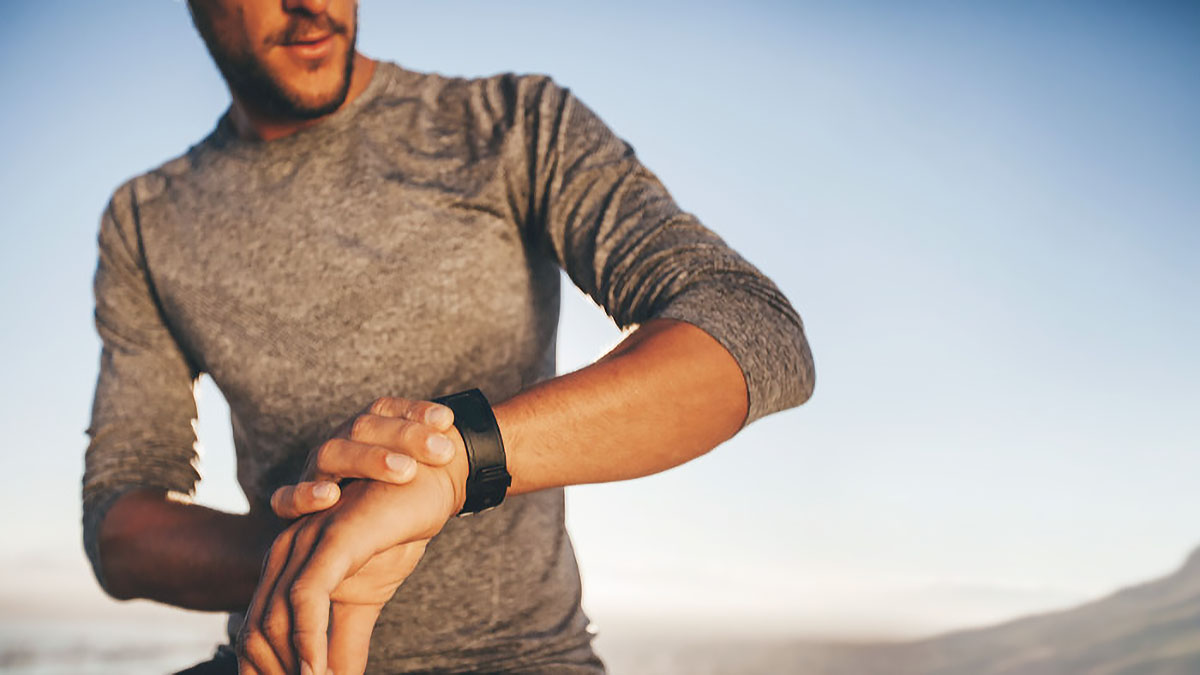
{"x":987,"y":216}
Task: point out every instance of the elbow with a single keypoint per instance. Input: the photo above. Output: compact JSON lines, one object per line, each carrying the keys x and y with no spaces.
{"x":784,"y":360}
{"x":106,"y":553}
{"x":110,"y":539}
{"x":116,"y":591}
{"x":112,"y":570}
{"x":784,"y":378}
{"x":797,"y":376}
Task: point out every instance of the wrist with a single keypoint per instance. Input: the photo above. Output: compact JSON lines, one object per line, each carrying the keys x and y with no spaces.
{"x":457,"y":471}
{"x":508,"y":419}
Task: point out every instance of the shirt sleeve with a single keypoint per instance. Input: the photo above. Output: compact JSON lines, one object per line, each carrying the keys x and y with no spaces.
{"x":141,"y":432}
{"x":622,"y":239}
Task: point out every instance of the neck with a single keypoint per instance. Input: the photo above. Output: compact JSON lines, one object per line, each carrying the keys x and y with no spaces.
{"x":251,"y":123}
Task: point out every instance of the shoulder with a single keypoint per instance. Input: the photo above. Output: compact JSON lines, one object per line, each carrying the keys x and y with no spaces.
{"x":152,"y":184}
{"x":532,"y":92}
{"x":135,"y":196}
{"x":500,"y":94}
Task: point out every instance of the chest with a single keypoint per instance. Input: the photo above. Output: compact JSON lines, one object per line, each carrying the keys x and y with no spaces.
{"x":309,"y":291}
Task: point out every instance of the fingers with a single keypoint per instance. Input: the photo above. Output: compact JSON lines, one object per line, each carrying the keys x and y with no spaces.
{"x":384,"y":443}
{"x":256,"y":657}
{"x":435,"y":415}
{"x":340,"y":458}
{"x":350,"y":628}
{"x":293,"y":501}
{"x":308,"y":595}
{"x":255,"y":654}
{"x":373,"y":440}
{"x":277,"y":620}
{"x":422,"y":442}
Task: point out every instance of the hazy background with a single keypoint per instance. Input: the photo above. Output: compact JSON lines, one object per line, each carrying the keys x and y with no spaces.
{"x":988,"y":217}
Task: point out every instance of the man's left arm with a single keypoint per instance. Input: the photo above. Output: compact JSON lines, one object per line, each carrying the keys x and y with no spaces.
{"x":613,"y":226}
{"x":717,"y":344}
{"x":667,"y":394}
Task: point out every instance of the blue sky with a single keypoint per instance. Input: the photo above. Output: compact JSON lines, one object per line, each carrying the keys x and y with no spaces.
{"x":986,"y":215}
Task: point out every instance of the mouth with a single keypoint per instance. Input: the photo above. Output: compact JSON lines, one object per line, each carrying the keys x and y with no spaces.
{"x":311,"y":39}
{"x":311,"y":47}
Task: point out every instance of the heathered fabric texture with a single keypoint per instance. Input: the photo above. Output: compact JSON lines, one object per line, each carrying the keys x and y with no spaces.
{"x":409,"y":245}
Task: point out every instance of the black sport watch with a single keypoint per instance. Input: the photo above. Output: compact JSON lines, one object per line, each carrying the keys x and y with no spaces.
{"x":487,"y":476}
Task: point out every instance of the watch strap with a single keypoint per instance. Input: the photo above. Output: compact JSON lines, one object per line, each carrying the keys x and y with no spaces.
{"x":487,"y":476}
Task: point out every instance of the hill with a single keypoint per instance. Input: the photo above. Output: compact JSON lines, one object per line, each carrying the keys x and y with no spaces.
{"x":1148,"y":629}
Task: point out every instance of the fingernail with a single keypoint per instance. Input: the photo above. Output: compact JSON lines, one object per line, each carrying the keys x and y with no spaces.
{"x":323,"y":490}
{"x":439,"y":445}
{"x":305,"y":669}
{"x":399,"y":463}
{"x":440,"y":417}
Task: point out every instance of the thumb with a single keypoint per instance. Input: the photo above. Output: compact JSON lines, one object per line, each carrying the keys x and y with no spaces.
{"x":293,"y":501}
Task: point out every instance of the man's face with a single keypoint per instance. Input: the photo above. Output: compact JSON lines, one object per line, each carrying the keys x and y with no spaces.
{"x":289,"y":58}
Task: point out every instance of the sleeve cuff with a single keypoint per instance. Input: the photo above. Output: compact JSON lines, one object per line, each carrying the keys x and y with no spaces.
{"x":765,"y":337}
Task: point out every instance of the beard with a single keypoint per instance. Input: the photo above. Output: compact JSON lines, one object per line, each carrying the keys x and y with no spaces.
{"x":250,"y":81}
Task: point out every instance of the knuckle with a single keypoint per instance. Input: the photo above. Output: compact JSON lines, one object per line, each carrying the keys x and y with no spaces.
{"x":274,"y":622}
{"x":414,"y":409}
{"x":376,"y":458}
{"x":284,"y":502}
{"x":250,"y":641}
{"x":411,"y":434}
{"x":279,"y":548}
{"x":361,"y":426}
{"x":328,"y":453}
{"x":381,"y":405}
{"x":299,"y":593}
{"x":323,"y":452}
{"x":423,"y":411}
{"x":256,"y":650}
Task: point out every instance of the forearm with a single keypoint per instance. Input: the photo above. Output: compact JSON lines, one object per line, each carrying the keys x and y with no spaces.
{"x":182,"y":554}
{"x":667,"y":394}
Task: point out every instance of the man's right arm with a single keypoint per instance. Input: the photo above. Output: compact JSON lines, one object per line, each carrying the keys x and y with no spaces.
{"x":142,"y":539}
{"x":159,"y":548}
{"x":143,"y":543}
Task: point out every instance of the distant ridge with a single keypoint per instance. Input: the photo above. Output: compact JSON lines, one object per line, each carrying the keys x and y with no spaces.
{"x":1192,"y":564}
{"x":1151,"y":628}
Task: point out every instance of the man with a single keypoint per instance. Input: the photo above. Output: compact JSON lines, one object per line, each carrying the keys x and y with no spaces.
{"x":351,"y":241}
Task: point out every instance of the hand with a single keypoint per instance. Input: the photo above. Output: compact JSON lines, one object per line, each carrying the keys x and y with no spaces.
{"x":353,"y":609}
{"x":383,"y":442}
{"x":329,"y":574}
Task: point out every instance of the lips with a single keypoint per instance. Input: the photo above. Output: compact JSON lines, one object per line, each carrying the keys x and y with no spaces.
{"x":308,"y":40}
{"x":313,"y":48}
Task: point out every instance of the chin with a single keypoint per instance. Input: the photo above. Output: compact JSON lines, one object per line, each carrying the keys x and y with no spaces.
{"x":313,"y":94}
{"x":318,"y":90}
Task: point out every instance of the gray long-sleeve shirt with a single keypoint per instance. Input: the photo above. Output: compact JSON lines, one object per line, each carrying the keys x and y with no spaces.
{"x":407,"y":245}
